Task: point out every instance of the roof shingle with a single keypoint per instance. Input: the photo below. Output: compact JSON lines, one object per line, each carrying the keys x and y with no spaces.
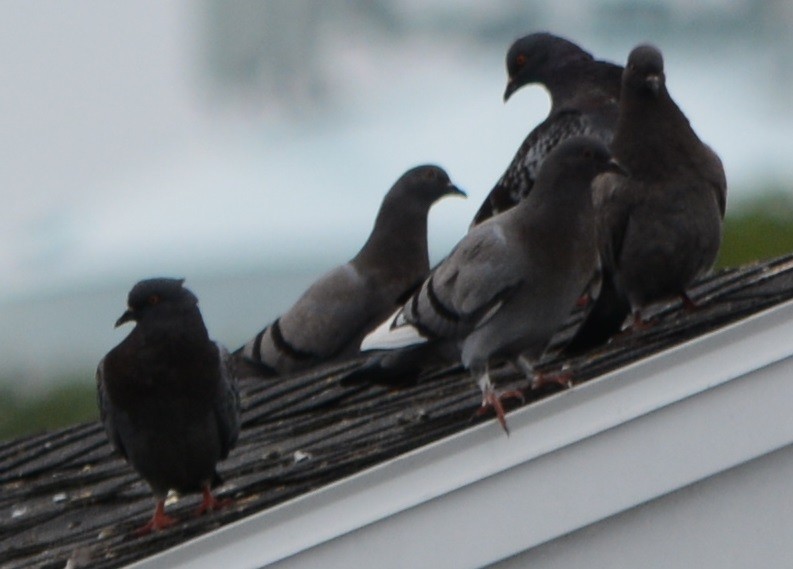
{"x":64,"y":495}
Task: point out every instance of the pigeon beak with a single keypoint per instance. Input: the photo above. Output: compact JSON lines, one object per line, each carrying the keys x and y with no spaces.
{"x":451,"y":189}
{"x":654,"y":83}
{"x":128,"y":316}
{"x":616,"y":168}
{"x":511,"y":88}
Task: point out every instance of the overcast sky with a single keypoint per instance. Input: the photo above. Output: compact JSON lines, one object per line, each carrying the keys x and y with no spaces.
{"x":121,"y":159}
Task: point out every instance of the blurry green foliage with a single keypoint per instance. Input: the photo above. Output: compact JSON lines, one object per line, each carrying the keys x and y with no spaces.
{"x":758,"y":229}
{"x":22,"y":414}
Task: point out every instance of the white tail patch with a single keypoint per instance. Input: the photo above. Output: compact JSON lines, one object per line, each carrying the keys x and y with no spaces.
{"x":394,"y":333}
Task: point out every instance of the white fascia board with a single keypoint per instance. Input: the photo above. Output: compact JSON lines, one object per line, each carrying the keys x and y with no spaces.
{"x":577,"y":457}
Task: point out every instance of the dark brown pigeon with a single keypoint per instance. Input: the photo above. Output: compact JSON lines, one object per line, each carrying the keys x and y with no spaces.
{"x":329,"y":320}
{"x":513,"y":279}
{"x":167,"y":396}
{"x":584,"y":101}
{"x":661,"y":226}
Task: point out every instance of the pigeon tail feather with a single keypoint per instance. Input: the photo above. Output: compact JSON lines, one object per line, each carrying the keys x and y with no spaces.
{"x":393,"y":335}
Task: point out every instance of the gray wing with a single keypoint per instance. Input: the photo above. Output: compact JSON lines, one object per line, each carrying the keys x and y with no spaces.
{"x":327,"y":320}
{"x":107,"y":412}
{"x":470,"y":286}
{"x":227,"y":403}
{"x":331,"y":313}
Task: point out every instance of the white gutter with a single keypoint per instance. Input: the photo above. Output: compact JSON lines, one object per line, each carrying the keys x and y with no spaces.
{"x":580,"y":456}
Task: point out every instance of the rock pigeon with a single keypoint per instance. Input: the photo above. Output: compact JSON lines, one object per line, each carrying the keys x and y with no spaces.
{"x":329,"y":320}
{"x":584,"y":101}
{"x":661,"y":227}
{"x":167,"y":396}
{"x":513,"y":279}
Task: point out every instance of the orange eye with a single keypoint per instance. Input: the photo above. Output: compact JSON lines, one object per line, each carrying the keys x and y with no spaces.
{"x":520,"y":60}
{"x":154,"y":299}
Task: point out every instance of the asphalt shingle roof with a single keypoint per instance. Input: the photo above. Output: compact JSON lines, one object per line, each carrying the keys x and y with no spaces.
{"x":65,"y":496}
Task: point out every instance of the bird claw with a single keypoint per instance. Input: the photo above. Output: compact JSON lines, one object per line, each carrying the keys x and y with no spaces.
{"x":491,"y":399}
{"x":160,"y":520}
{"x":212,"y":504}
{"x":565,"y":380}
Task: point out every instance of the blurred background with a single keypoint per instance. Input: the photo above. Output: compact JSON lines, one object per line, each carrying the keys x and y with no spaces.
{"x":246,"y":146}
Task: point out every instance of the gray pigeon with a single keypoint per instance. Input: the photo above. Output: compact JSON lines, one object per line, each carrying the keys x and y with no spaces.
{"x":513,"y":279}
{"x":329,"y":320}
{"x":167,"y":397}
{"x":661,"y":227}
{"x":584,"y":101}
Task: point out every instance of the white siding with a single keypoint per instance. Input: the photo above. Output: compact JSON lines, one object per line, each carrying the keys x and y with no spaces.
{"x":622,"y":454}
{"x":741,"y":518}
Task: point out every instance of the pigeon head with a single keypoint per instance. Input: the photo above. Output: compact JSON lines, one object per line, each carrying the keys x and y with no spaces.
{"x":400,"y":228}
{"x":534,"y":59}
{"x":577,"y":157}
{"x":428,"y":183}
{"x":644,"y":72}
{"x":157,"y":297}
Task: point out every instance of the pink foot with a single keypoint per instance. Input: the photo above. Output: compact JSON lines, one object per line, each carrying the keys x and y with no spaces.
{"x":491,"y":399}
{"x":210,"y":503}
{"x":540,"y":380}
{"x":160,"y":520}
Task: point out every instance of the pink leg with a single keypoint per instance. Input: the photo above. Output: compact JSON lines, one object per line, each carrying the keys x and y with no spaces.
{"x":210,"y":503}
{"x":491,"y":399}
{"x":160,"y":520}
{"x":542,"y":380}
